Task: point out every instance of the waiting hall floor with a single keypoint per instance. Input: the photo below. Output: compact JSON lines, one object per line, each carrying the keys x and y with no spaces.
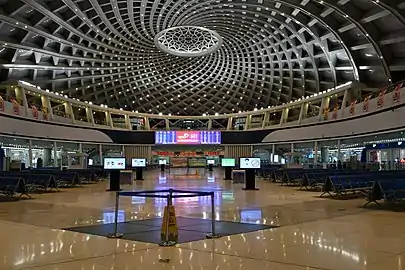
{"x":314,"y":233}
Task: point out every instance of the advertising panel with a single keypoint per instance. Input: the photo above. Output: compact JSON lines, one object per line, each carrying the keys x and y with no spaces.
{"x":250,"y":163}
{"x":228,"y":162}
{"x":187,"y":137}
{"x":138,"y":163}
{"x":114,"y":163}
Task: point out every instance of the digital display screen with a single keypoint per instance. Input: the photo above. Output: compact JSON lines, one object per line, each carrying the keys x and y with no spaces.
{"x":249,"y":163}
{"x":228,"y":162}
{"x":211,"y":161}
{"x":90,"y":162}
{"x":138,"y":162}
{"x":114,"y":163}
{"x":162,"y":162}
{"x":188,"y":137}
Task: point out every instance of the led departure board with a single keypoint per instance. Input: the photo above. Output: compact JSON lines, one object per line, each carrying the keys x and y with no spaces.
{"x":188,"y":137}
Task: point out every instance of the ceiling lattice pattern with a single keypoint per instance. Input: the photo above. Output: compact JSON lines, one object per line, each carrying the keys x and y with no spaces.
{"x":273,"y":51}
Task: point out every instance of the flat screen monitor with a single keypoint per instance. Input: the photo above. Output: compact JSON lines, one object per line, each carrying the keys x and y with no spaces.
{"x":210,"y":161}
{"x":116,"y":163}
{"x":228,"y":162}
{"x":138,"y":163}
{"x":249,"y":163}
{"x":162,"y":162}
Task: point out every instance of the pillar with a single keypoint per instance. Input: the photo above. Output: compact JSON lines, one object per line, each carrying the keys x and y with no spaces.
{"x":30,"y":159}
{"x":147,"y":124}
{"x":90,"y":116}
{"x":167,"y":124}
{"x":248,"y":122}
{"x":344,"y":102}
{"x":230,"y":122}
{"x":303,"y":112}
{"x":80,"y":148}
{"x":292,"y":147}
{"x":127,"y":122}
{"x":324,"y":154}
{"x":273,"y":152}
{"x":209,"y":124}
{"x":100,"y":153}
{"x":55,"y":155}
{"x":324,"y":105}
{"x":266,"y":119}
{"x":315,"y":153}
{"x":22,"y":98}
{"x":46,"y":105}
{"x":123,"y":150}
{"x":339,"y":156}
{"x":284,"y":116}
{"x":69,"y":111}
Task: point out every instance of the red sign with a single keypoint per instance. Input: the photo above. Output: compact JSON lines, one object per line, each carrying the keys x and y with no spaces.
{"x":16,"y":106}
{"x":187,"y":137}
{"x":381,"y":96}
{"x":353,"y":107}
{"x":2,"y":105}
{"x":365,"y":104}
{"x":34,"y":111}
{"x":397,"y":92}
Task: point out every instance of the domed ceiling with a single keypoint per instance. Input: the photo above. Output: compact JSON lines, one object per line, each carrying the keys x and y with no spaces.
{"x":271,"y":52}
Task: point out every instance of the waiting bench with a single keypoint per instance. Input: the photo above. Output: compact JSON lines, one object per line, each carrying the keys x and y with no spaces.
{"x":9,"y":186}
{"x":387,"y":190}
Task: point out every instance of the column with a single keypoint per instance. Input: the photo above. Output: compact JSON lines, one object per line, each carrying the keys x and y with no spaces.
{"x":127,"y":122}
{"x":303,"y":112}
{"x":266,"y":119}
{"x":147,"y":125}
{"x":80,"y":148}
{"x":315,"y":153}
{"x":46,"y":105}
{"x":292,"y":147}
{"x":339,"y":157}
{"x":209,"y":124}
{"x":284,"y":116}
{"x":324,"y":154}
{"x":21,"y":97}
{"x":90,"y":116}
{"x":167,"y":124}
{"x":248,"y":122}
{"x":230,"y":122}
{"x":108,"y":119}
{"x":100,"y":153}
{"x":69,"y":111}
{"x":30,"y":159}
{"x":55,"y":155}
{"x":344,"y":102}
{"x":324,"y":105}
{"x":273,"y":152}
{"x":123,"y":150}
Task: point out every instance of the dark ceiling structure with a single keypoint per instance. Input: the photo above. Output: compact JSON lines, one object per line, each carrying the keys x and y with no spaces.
{"x":272,"y":52}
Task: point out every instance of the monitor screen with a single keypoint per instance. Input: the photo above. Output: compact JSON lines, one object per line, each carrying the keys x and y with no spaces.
{"x":188,"y":137}
{"x":138,"y":162}
{"x":249,"y":163}
{"x":116,"y":163}
{"x":211,"y":161}
{"x":228,"y":162}
{"x":162,"y":162}
{"x":90,"y":162}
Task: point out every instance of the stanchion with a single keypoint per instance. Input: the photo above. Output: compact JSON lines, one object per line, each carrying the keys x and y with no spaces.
{"x":213,"y":233}
{"x":115,"y":234}
{"x":167,"y":242}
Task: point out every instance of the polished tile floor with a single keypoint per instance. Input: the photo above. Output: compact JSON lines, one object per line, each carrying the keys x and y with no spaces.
{"x":314,"y":233}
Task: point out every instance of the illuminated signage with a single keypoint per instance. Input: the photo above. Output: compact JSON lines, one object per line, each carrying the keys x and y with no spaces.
{"x":188,"y":137}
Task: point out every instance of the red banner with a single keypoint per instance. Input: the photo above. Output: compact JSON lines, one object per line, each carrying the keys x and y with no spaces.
{"x":16,"y":106}
{"x":397,"y":93}
{"x":2,"y":104}
{"x":34,"y":111}
{"x":353,"y":107}
{"x":380,"y":99}
{"x":335,"y":112}
{"x":365,"y":104}
{"x":187,"y":137}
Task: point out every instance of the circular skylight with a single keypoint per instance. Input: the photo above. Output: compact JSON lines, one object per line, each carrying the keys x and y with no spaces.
{"x":188,"y":41}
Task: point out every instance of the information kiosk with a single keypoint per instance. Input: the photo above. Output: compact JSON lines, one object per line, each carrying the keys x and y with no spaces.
{"x":228,"y":164}
{"x":114,"y":165}
{"x":210,"y":163}
{"x":250,"y":165}
{"x":138,"y":164}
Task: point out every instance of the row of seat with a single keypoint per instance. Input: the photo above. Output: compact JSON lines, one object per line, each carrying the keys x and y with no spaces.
{"x":43,"y":180}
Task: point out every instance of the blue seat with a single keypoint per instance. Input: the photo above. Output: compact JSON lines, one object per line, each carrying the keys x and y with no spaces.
{"x":10,"y":186}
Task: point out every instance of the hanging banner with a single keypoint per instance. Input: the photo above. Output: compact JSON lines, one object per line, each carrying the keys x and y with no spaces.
{"x":335,"y":111}
{"x":353,"y":107}
{"x":325,"y":114}
{"x":34,"y":111}
{"x":396,"y":97}
{"x":45,"y":113}
{"x":380,"y":99}
{"x":365,"y":104}
{"x":2,"y":105}
{"x":16,"y":106}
